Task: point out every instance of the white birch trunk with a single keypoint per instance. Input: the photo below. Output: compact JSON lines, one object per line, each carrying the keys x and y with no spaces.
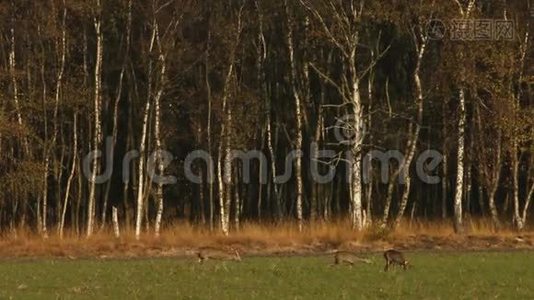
{"x":208,"y":129}
{"x":227,"y":197}
{"x":298,"y":116}
{"x":44,"y":203}
{"x":141,"y":180}
{"x":369,"y":192}
{"x":298,"y":164}
{"x":389,"y":197}
{"x":273,"y":162}
{"x":71,"y":176}
{"x":14,"y":82}
{"x":141,"y":174}
{"x":495,"y":183}
{"x":238,"y":203}
{"x":59,"y":82}
{"x":459,"y":193}
{"x":356,"y":172}
{"x":157,"y":133}
{"x":518,"y":220}
{"x":458,"y":222}
{"x":43,"y":225}
{"x":490,"y":169}
{"x":97,"y":138}
{"x":412,"y":144}
{"x":224,"y":162}
{"x":261,"y":56}
{"x":225,"y":193}
{"x":115,"y":220}
{"x":220,"y":181}
{"x":356,"y":187}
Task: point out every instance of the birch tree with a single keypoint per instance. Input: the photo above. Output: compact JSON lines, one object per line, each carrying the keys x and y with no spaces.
{"x":345,"y":18}
{"x":462,"y":119}
{"x":489,"y":159}
{"x":165,"y":42}
{"x":71,"y":175}
{"x":59,"y":83}
{"x":297,"y":95}
{"x":140,"y":204}
{"x":520,"y":137}
{"x":118,"y":96}
{"x":420,"y":42}
{"x":225,"y":192}
{"x":97,"y":134}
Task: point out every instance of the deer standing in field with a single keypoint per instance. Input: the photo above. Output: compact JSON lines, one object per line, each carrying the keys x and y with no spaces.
{"x":215,"y":254}
{"x":394,"y":257}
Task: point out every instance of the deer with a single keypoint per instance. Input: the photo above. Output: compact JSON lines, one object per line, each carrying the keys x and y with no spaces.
{"x":216,"y":254}
{"x":393,"y":257}
{"x":348,"y":258}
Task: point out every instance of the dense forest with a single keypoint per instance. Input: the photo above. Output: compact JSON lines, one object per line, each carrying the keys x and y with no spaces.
{"x":143,"y":114}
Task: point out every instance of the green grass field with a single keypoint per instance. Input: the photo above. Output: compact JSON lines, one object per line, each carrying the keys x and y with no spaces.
{"x":503,"y":275}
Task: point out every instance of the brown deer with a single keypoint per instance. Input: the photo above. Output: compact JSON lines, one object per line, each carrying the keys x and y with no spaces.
{"x":394,"y":257}
{"x":348,"y":258}
{"x":216,"y":254}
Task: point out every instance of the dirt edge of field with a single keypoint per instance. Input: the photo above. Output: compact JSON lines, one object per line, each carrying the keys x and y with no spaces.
{"x":125,"y":248}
